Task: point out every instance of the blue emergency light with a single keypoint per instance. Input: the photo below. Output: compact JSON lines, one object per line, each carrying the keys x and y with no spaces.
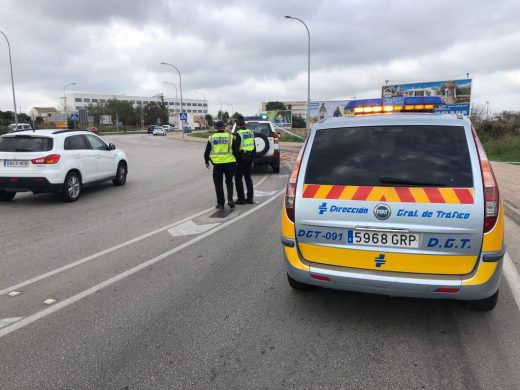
{"x":394,"y":104}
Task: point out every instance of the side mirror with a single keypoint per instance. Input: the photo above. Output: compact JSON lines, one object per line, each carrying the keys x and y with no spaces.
{"x":111,"y":146}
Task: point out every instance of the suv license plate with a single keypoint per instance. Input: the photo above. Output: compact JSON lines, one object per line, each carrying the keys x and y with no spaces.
{"x":383,"y":238}
{"x":16,"y":163}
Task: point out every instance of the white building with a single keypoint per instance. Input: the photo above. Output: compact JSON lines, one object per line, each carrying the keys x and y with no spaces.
{"x":76,"y":101}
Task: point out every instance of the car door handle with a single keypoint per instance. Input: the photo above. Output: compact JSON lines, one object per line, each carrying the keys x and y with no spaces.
{"x":77,"y":156}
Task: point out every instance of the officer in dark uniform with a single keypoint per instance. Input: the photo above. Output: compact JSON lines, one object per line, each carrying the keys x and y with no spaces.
{"x":246,"y":152}
{"x":221,"y":151}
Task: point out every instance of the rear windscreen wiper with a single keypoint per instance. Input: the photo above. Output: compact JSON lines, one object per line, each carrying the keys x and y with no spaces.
{"x":407,"y":182}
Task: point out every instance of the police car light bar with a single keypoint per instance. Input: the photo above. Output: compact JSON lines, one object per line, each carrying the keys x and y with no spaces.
{"x":395,"y":104}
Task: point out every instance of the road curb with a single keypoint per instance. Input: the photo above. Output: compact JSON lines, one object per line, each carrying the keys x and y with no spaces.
{"x":512,"y":212}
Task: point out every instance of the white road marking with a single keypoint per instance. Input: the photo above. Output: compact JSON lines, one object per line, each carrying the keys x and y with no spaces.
{"x":7,"y":321}
{"x":14,"y":293}
{"x":512,"y":278}
{"x":266,"y":193}
{"x":106,"y":251}
{"x":189,"y":227}
{"x":75,"y":298}
{"x":49,"y":301}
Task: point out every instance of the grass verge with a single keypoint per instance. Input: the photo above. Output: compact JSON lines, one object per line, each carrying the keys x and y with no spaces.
{"x":506,"y":148}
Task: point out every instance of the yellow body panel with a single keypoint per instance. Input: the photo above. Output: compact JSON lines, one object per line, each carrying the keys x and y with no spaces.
{"x":294,"y":259}
{"x":494,"y":240}
{"x":287,"y":225}
{"x":395,"y":262}
{"x":484,"y":273}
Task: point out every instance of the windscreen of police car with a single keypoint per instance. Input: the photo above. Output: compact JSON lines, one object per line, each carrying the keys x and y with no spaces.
{"x":423,"y":156}
{"x":262,"y":128}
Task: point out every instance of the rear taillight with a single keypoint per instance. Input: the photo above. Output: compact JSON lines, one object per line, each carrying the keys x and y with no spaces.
{"x":50,"y":159}
{"x":275,"y":137}
{"x":290,"y":193}
{"x":491,"y":195}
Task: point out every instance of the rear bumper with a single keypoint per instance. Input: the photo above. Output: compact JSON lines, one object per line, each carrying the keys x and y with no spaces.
{"x":271,"y":160}
{"x":479,"y":284}
{"x":24,"y":184}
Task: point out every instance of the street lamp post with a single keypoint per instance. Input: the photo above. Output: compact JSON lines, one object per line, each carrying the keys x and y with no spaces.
{"x":308,"y":71}
{"x":175,"y":110}
{"x":65,"y":102}
{"x":180,"y":86}
{"x":12,"y":79}
{"x":221,"y":113}
{"x":204,"y":102}
{"x":117,"y":115}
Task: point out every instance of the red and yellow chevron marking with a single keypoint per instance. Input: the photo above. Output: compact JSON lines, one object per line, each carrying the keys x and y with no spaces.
{"x":390,"y":194}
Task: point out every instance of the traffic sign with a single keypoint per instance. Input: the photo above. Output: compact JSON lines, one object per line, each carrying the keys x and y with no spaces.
{"x":183,"y":116}
{"x":74,"y":117}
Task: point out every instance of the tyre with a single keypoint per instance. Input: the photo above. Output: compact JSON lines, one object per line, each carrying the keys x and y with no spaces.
{"x":276,"y":168}
{"x":486,"y":304}
{"x":6,"y":196}
{"x":71,"y":187}
{"x":121,"y":174}
{"x":265,"y":141}
{"x":298,"y":285}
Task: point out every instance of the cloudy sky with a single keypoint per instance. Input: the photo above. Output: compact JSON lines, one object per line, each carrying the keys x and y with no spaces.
{"x":245,"y":52}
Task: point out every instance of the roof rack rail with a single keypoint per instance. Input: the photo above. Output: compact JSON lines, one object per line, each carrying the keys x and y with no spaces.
{"x":69,"y":131}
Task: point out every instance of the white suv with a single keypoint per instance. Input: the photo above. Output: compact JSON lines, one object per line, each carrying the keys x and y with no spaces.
{"x":266,"y":142}
{"x":57,"y":161}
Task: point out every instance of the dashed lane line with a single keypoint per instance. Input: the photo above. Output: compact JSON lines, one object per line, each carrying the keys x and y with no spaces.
{"x":75,"y":298}
{"x":107,"y":251}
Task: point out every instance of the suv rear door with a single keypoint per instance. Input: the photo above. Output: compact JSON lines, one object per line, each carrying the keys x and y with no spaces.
{"x":417,"y":187}
{"x":17,"y":151}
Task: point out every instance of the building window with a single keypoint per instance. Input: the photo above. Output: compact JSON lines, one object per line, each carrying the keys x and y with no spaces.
{"x":139,"y":102}
{"x":78,"y":100}
{"x":188,"y":104}
{"x":102,"y":100}
{"x":94,"y":100}
{"x":188,"y":111}
{"x":86,"y":100}
{"x":177,"y":104}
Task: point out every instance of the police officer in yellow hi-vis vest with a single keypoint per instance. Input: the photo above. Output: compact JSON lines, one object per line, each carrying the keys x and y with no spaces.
{"x":221,"y":150}
{"x":245,"y":156}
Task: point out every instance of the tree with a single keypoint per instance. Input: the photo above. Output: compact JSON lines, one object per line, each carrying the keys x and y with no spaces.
{"x":274,"y":106}
{"x":209,"y":119}
{"x":298,"y":122}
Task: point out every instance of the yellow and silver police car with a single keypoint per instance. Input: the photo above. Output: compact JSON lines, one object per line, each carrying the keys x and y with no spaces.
{"x":395,"y":200}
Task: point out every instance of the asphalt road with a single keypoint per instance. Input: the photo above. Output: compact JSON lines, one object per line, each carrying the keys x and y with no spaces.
{"x":145,"y":300}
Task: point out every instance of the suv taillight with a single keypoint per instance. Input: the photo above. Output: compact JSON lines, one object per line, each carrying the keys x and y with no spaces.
{"x":491,"y":195}
{"x":290,"y":192}
{"x":50,"y":159}
{"x":275,"y":137}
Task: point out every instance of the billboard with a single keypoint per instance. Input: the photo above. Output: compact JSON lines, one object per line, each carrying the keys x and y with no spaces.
{"x":455,"y":93}
{"x":319,"y":110}
{"x":282,"y":118}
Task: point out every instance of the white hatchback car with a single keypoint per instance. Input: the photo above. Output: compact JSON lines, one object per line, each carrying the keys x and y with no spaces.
{"x":159,"y":131}
{"x":57,"y":161}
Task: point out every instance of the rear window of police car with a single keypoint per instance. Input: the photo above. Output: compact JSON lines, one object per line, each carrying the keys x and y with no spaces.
{"x":25,"y":144}
{"x":425,"y":156}
{"x":262,"y":128}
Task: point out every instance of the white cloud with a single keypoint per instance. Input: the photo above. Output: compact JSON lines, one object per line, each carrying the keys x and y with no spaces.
{"x":245,"y":52}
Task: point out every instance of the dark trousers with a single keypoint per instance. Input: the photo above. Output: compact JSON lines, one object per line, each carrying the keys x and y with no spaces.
{"x":244,"y":169}
{"x":219,"y":171}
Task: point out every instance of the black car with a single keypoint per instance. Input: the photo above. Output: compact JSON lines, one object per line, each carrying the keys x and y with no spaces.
{"x":151,"y":129}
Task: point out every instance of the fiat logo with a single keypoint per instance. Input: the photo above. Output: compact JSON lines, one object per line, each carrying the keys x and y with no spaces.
{"x":382,"y":211}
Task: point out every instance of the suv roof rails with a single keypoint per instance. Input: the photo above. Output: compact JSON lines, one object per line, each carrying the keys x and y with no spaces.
{"x":70,"y":131}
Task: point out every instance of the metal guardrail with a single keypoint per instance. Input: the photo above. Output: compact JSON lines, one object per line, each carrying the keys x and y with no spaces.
{"x":288,"y":132}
